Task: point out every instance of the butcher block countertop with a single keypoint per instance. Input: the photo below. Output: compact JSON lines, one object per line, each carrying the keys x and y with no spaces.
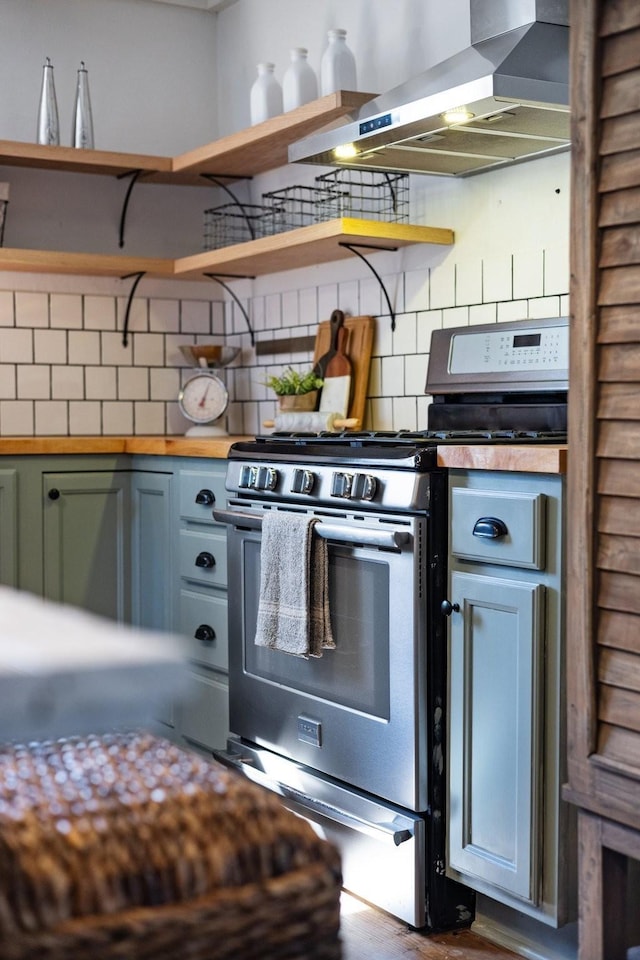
{"x":531,"y":458}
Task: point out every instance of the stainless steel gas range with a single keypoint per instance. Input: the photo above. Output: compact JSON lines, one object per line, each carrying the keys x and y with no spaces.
{"x":355,"y":740}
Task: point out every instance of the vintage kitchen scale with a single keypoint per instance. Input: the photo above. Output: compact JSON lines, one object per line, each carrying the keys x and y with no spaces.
{"x":204,"y":398}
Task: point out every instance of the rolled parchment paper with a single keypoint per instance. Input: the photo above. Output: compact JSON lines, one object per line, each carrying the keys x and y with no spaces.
{"x":312,"y":422}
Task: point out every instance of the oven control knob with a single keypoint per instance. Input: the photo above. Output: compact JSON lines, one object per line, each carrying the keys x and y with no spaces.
{"x":266,"y":478}
{"x":342,"y":485}
{"x":248,"y":475}
{"x":303,"y":481}
{"x":364,"y":487}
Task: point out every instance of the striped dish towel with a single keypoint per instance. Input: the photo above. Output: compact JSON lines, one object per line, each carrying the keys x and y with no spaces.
{"x":293,"y":609}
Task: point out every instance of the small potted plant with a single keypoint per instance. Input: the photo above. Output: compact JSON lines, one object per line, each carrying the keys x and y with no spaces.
{"x":295,"y":390}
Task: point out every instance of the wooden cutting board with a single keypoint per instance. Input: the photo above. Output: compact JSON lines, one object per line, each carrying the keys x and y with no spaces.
{"x":357,"y":345}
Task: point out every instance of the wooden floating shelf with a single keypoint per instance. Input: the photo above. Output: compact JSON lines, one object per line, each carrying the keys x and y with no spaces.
{"x":243,"y":154}
{"x":307,"y":246}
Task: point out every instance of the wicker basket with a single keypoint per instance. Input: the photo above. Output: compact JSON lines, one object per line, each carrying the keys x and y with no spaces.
{"x":128,"y":847}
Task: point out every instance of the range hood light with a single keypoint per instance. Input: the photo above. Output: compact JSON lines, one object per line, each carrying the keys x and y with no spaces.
{"x":457,"y":115}
{"x":346,"y":151}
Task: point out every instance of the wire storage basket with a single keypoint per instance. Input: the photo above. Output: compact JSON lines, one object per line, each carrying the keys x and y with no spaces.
{"x":4,"y":202}
{"x":300,"y":206}
{"x":236,"y":223}
{"x":370,"y":194}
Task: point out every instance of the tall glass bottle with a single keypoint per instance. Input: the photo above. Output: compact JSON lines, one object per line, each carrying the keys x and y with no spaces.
{"x":338,"y":65}
{"x":266,"y":94}
{"x":82,"y":133}
{"x":299,"y":84}
{"x":48,"y":127}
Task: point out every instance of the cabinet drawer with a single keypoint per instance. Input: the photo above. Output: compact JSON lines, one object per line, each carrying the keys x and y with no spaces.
{"x":204,"y":716}
{"x":197,"y":487}
{"x":498,"y":527}
{"x":203,"y":620}
{"x":203,"y":557}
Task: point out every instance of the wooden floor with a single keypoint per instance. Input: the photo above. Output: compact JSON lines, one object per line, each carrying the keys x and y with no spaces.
{"x":368,"y":934}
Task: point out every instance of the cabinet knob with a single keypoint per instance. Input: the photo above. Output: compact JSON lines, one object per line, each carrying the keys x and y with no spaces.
{"x":205,"y":633}
{"x":490,"y":528}
{"x":205,"y":497}
{"x":448,"y":608}
{"x":206,"y":560}
{"x":54,"y":494}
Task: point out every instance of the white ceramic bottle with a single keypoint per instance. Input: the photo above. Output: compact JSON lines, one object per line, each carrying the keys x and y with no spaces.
{"x":48,"y":129}
{"x":299,"y":84}
{"x":338,"y":65}
{"x":82,"y":133}
{"x":266,"y":94}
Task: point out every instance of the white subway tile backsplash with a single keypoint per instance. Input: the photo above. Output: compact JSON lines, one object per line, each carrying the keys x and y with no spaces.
{"x":67,"y":383}
{"x":455,"y":317}
{"x":392,"y":377}
{"x":382,"y":337}
{"x":290,"y":309}
{"x":51,"y":418}
{"x":148,"y":349}
{"x":468,"y":282}
{"x":544,"y":307}
{"x":133,"y":383}
{"x":176,"y":423}
{"x":50,"y":346}
{"x":16,"y":418}
{"x":349,"y":297}
{"x":34,"y":381}
{"x":483,"y":313}
{"x":32,"y":309}
{"x":138,"y":314}
{"x":117,"y":417}
{"x":113,"y":350}
{"x":16,"y":346}
{"x":426,"y":323}
{"x":442,"y":285}
{"x":195,"y":316}
{"x":308,"y":306}
{"x":7,"y":318}
{"x":405,"y":413}
{"x":217,"y":318}
{"x":65,"y":310}
{"x":497,"y":278}
{"x":164,"y":316}
{"x":405,"y":335}
{"x":416,"y":289}
{"x":556,"y":270}
{"x":415,"y":373}
{"x":564,"y":305}
{"x":164,"y":384}
{"x":257,"y":314}
{"x":328,"y":300}
{"x":513,"y":310}
{"x":149,"y":418}
{"x":273,"y":311}
{"x":85,"y":418}
{"x":84,"y":347}
{"x":99,"y":313}
{"x":7,"y":381}
{"x":100,"y":383}
{"x":370,"y":298}
{"x":380,"y":413}
{"x":422,"y":410}
{"x":528,"y":274}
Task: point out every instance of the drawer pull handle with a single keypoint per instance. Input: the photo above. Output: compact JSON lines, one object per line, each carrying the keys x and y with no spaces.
{"x":205,"y":497}
{"x":205,"y":560}
{"x":205,"y":633}
{"x":490,"y":528}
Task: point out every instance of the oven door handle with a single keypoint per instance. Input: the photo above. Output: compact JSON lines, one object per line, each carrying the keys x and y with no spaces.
{"x":368,"y":536}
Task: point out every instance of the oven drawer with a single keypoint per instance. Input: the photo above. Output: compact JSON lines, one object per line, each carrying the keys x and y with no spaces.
{"x":506,"y":528}
{"x":203,"y":557}
{"x":204,"y":716}
{"x":203,"y":620}
{"x":200,"y":491}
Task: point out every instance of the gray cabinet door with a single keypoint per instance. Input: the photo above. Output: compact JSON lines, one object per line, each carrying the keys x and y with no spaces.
{"x":9,"y":527}
{"x":151,"y":554}
{"x":86,"y":537}
{"x":496,"y":705}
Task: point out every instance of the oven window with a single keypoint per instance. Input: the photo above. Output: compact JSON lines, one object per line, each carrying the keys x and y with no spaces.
{"x":356,"y":673}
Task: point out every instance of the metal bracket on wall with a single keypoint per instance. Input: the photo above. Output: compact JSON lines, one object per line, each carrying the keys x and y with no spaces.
{"x":133,"y":174}
{"x":218,"y":279}
{"x":369,"y":246}
{"x":238,"y":203}
{"x":134,"y":285}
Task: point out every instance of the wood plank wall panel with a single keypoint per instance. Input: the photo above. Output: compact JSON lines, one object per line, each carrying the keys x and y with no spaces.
{"x":604,"y":717}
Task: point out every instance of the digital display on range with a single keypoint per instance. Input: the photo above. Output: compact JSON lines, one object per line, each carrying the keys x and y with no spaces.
{"x":527,"y":340}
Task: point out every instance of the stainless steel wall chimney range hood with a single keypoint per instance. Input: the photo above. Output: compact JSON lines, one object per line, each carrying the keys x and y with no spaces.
{"x":511,"y":87}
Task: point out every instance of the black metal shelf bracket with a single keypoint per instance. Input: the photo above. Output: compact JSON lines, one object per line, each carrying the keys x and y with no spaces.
{"x":134,"y":286}
{"x":218,"y":279}
{"x":238,"y":203}
{"x":133,"y":174}
{"x":370,"y":246}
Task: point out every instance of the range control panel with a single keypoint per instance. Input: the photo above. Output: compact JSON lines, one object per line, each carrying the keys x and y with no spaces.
{"x":519,"y":355}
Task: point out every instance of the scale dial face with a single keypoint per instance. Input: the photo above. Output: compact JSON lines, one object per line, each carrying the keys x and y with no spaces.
{"x":203,"y":398}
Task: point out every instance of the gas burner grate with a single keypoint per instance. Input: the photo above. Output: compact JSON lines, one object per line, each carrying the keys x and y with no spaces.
{"x":416,"y":437}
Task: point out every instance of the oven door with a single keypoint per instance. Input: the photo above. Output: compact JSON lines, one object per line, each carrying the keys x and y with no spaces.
{"x":358,"y":713}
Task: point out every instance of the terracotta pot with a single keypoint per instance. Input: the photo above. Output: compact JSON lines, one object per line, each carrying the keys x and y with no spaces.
{"x":299,"y":401}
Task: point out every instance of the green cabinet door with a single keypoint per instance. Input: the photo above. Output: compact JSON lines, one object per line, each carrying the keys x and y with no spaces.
{"x":86,"y":541}
{"x":9,"y":527}
{"x":151,"y":555}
